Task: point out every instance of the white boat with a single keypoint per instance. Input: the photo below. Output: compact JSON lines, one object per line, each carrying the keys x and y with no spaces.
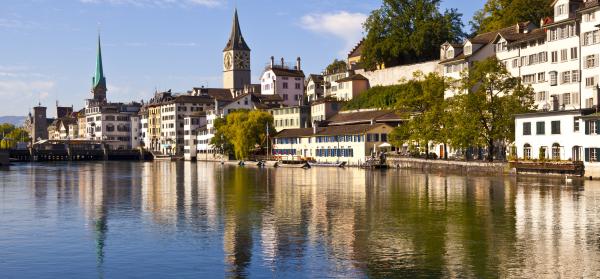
{"x":323,"y":164}
{"x":292,"y":164}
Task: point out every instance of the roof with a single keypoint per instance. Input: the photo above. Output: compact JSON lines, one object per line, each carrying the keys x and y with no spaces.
{"x":315,"y":78}
{"x":329,"y":131}
{"x":236,"y":40}
{"x":325,"y":100}
{"x":357,"y":50}
{"x":99,"y":81}
{"x":590,"y":4}
{"x":345,"y":118}
{"x":219,"y":94}
{"x":352,"y":78}
{"x":287,"y":72}
{"x":193,"y":99}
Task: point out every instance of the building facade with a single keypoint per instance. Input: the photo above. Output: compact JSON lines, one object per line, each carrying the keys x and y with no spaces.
{"x":285,"y":81}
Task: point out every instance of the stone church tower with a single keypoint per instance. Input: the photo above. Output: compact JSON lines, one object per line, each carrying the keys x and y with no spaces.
{"x":236,"y":59}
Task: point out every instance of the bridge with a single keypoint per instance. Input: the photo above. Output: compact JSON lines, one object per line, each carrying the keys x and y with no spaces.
{"x":75,"y":150}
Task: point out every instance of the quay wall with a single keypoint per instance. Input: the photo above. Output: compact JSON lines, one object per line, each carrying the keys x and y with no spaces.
{"x":4,"y":158}
{"x":460,"y":167}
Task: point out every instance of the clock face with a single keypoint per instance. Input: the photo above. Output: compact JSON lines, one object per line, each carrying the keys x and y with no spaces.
{"x":242,"y":60}
{"x":227,"y":61}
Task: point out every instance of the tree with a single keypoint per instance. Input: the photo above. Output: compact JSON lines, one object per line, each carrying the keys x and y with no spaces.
{"x":484,"y":113}
{"x":408,"y":31}
{"x":423,"y":96}
{"x":497,"y":14}
{"x":11,"y":135}
{"x":241,"y":131}
{"x":336,"y":66}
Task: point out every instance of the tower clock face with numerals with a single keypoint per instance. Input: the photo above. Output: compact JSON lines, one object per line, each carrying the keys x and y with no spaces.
{"x":242,"y":60}
{"x":228,"y":61}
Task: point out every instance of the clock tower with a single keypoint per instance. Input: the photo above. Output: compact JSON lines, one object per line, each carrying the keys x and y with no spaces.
{"x":236,"y":59}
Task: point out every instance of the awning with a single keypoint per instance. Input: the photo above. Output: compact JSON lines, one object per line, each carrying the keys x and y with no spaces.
{"x":385,"y":145}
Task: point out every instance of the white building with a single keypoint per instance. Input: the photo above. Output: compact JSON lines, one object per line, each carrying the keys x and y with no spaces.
{"x":116,"y":123}
{"x":285,"y":81}
{"x":191,"y":127}
{"x":314,"y":88}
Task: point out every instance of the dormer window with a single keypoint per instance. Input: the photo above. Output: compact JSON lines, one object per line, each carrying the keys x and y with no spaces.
{"x":561,"y":10}
{"x":450,"y":53}
{"x":468,"y":49}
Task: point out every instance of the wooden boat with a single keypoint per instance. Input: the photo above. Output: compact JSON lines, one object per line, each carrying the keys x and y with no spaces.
{"x":162,"y":157}
{"x":293,"y":164}
{"x":323,"y":164}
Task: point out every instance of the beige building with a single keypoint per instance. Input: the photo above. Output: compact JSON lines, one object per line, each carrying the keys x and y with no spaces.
{"x":291,"y":117}
{"x":350,"y":87}
{"x":352,"y":144}
{"x":324,"y":109}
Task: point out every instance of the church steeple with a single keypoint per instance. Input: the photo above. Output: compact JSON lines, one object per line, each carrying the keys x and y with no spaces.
{"x":99,"y":81}
{"x":236,"y":40}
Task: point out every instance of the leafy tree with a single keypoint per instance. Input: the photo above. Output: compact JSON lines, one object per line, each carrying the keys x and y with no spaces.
{"x":484,"y":115}
{"x":336,"y":66}
{"x":408,"y":31}
{"x":382,"y":97}
{"x":220,"y":140}
{"x":497,"y":14}
{"x":424,"y":97}
{"x":241,"y":131}
{"x":11,"y":135}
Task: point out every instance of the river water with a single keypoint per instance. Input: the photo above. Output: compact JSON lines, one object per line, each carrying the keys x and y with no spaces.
{"x":205,"y":220}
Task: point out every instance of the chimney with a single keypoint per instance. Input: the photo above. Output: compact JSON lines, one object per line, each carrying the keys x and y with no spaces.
{"x":282,"y":62}
{"x":298,"y":64}
{"x":272,"y":61}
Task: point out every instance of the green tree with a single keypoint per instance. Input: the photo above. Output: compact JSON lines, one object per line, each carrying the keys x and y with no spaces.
{"x":408,"y":31}
{"x":241,"y":131}
{"x":336,"y":66}
{"x":487,"y":108}
{"x":423,"y":96}
{"x":497,"y":14}
{"x":11,"y":135}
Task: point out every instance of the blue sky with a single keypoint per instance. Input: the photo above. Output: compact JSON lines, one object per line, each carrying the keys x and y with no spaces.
{"x":47,"y":51}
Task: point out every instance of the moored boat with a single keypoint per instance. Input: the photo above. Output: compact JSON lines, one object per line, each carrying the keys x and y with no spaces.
{"x":324,"y":164}
{"x":292,"y":164}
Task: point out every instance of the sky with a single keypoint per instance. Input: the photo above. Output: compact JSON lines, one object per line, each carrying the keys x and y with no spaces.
{"x":48,"y":47}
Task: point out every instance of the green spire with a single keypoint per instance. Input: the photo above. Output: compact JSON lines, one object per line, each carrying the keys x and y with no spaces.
{"x":99,"y":80}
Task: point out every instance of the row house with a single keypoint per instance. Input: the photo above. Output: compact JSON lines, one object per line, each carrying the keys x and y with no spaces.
{"x":314,"y":87}
{"x":115,"y":123}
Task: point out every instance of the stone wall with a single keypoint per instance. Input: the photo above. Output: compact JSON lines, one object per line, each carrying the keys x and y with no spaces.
{"x":393,"y":75}
{"x":459,"y":167}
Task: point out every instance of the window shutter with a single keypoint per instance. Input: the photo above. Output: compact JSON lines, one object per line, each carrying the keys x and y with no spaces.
{"x":597,"y":127}
{"x":587,"y":127}
{"x":587,"y":154}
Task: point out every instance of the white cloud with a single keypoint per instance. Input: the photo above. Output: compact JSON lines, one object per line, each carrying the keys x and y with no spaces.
{"x":158,"y":3}
{"x":343,"y":25}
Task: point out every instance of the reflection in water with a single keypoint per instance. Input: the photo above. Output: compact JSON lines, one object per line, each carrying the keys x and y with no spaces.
{"x":190,"y":219}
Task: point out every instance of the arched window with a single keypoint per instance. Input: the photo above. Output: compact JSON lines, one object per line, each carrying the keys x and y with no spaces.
{"x":527,"y":151}
{"x":555,"y":151}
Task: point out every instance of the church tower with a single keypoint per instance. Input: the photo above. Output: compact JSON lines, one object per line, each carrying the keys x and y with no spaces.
{"x":99,"y":81}
{"x":236,"y":59}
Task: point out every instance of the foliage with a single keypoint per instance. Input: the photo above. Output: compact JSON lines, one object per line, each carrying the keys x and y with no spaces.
{"x":423,"y":96}
{"x":11,"y":135}
{"x":241,"y":131}
{"x":497,"y":14}
{"x":408,"y":31}
{"x":382,"y":97}
{"x":336,"y":66}
{"x":484,"y":114}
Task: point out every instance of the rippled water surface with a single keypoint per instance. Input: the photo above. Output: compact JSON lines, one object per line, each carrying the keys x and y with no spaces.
{"x":204,"y":220}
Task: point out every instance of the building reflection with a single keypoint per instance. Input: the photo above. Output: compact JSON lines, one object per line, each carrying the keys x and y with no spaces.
{"x":348,"y":223}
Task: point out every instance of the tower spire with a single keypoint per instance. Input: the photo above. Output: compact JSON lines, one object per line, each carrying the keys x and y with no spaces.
{"x":99,"y":81}
{"x":236,"y":40}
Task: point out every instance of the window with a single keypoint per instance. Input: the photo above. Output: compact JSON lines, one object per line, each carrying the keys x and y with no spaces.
{"x":575,"y":125}
{"x":541,"y":77}
{"x":565,"y":77}
{"x":555,"y":151}
{"x":515,"y":63}
{"x":575,"y":76}
{"x":285,"y":97}
{"x":589,"y":102}
{"x":560,"y":10}
{"x":566,"y":98}
{"x":594,"y":154}
{"x":468,"y":49}
{"x":590,"y":81}
{"x":555,"y":127}
{"x":527,"y":151}
{"x":564,"y":55}
{"x":285,"y":85}
{"x":297,"y":85}
{"x":526,"y":128}
{"x":553,"y":78}
{"x":591,"y":61}
{"x":554,"y":55}
{"x":540,"y":128}
{"x":541,"y":96}
{"x":591,"y":128}
{"x":528,"y":79}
